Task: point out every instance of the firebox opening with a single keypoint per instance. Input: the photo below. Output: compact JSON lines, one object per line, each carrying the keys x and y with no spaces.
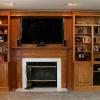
{"x":41,"y":74}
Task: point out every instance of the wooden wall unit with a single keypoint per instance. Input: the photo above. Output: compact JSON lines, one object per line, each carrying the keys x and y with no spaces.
{"x":77,"y":74}
{"x":4,"y":50}
{"x":86,"y":51}
{"x":52,"y":51}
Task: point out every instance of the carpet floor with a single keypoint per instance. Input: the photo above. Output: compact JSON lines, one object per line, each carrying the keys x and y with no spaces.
{"x":70,"y":95}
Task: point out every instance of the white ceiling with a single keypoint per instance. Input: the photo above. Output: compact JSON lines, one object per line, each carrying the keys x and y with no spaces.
{"x":51,"y":5}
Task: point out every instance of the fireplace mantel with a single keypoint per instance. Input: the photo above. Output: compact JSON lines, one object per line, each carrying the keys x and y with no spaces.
{"x":42,"y":52}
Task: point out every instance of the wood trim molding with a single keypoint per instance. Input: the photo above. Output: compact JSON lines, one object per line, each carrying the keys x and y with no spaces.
{"x":4,"y":13}
{"x":5,"y":89}
{"x":87,"y":13}
{"x":39,"y":13}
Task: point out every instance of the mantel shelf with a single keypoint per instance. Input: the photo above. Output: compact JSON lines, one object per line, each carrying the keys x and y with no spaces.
{"x":42,"y":47}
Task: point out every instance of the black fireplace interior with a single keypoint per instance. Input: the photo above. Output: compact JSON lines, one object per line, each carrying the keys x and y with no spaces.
{"x":41,"y":74}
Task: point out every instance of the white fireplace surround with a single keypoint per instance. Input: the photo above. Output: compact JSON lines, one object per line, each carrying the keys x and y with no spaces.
{"x":25,"y":60}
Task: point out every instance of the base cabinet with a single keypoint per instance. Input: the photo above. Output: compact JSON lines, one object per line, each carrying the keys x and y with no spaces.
{"x":4,"y":85}
{"x":83,"y":74}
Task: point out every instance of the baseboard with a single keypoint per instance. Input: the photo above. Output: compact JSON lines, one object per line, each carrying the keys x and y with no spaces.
{"x":4,"y":89}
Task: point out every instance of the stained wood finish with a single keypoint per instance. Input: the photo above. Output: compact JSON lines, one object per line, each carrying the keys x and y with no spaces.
{"x":83,"y":13}
{"x":70,"y":70}
{"x":14,"y":31}
{"x":73,"y":75}
{"x":7,"y":76}
{"x":38,"y":53}
{"x":4,"y":85}
{"x":82,"y":74}
{"x":12,"y":75}
{"x":68,"y":30}
{"x":77,"y":77}
{"x":52,"y":51}
{"x":83,"y":71}
{"x":16,"y":53}
{"x":4,"y":74}
{"x":5,"y":12}
{"x":31,"y":13}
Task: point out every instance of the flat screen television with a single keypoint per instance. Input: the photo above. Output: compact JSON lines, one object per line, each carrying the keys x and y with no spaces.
{"x":37,"y":30}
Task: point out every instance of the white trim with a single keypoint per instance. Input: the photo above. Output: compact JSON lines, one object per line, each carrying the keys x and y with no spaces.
{"x":24,"y":60}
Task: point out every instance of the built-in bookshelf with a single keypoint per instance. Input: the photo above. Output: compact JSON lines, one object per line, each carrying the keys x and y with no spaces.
{"x":87,"y":38}
{"x":4,"y":38}
{"x":4,"y":52}
{"x":83,"y":43}
{"x":96,"y":43}
{"x":86,"y":51}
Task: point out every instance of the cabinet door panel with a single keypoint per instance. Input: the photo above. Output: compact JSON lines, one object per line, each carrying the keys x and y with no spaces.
{"x":3,"y":74}
{"x":83,"y":74}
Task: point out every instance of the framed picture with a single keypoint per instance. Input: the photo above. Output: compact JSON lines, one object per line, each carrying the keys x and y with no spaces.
{"x":78,"y":48}
{"x":4,"y":49}
{"x":5,"y":31}
{"x":78,"y":39}
{"x":86,"y":39}
{"x":81,"y":30}
{"x":82,"y":56}
{"x":98,"y":39}
{"x":96,"y":48}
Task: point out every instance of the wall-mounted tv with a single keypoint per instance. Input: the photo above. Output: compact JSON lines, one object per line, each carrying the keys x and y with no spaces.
{"x":47,"y":30}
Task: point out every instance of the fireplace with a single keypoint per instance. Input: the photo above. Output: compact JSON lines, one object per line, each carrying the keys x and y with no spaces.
{"x":41,"y":72}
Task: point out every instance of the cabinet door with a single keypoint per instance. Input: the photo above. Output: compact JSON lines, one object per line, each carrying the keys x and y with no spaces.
{"x":3,"y":75}
{"x":83,"y":73}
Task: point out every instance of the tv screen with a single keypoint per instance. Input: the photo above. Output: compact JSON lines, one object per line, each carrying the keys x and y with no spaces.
{"x":37,"y":30}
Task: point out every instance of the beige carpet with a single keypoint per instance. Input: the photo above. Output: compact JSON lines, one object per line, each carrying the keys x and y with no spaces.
{"x":49,"y":96}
